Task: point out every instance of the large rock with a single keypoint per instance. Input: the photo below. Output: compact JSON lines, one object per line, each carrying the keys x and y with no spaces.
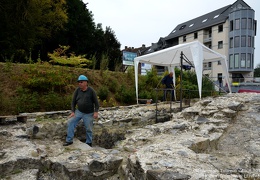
{"x":216,"y":138}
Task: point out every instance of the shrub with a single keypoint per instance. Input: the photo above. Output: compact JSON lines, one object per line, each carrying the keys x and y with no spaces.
{"x":190,"y":87}
{"x":7,"y":104}
{"x":103,"y":93}
{"x":148,"y":84}
{"x":104,"y":62}
{"x":60,"y":57}
{"x":44,"y":78}
{"x":27,"y":101}
{"x":144,"y":94}
{"x":125,"y":95}
{"x":130,"y":74}
{"x":54,"y":101}
{"x":74,"y":61}
{"x":113,"y":85}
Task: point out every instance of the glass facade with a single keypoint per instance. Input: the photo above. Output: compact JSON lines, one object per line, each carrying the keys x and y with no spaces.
{"x":241,"y":40}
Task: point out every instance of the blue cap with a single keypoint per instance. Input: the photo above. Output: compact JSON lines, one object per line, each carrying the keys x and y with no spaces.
{"x":82,"y":78}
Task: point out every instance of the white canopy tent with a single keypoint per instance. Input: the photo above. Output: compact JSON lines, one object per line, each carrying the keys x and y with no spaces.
{"x":196,"y":52}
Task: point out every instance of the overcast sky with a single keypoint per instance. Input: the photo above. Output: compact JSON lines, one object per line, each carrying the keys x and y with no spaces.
{"x":137,"y":22}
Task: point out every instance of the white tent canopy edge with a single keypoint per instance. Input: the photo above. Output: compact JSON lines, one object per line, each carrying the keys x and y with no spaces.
{"x":196,"y":52}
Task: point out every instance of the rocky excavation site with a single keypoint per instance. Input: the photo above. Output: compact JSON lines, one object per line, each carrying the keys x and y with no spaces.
{"x":214,"y":138}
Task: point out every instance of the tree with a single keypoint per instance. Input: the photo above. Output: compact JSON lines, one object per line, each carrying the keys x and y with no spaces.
{"x":38,"y":27}
{"x":26,"y":23}
{"x":113,"y":48}
{"x":99,"y":45}
{"x":86,"y":38}
{"x":257,"y":71}
{"x":78,"y":33}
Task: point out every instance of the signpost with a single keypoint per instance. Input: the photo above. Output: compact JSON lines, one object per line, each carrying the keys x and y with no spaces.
{"x":128,"y":58}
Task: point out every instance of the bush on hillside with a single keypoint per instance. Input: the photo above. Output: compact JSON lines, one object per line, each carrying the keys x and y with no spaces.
{"x":103,"y":92}
{"x":44,"y":87}
{"x":148,"y":84}
{"x":44,"y":78}
{"x":125,"y":95}
{"x":60,"y":57}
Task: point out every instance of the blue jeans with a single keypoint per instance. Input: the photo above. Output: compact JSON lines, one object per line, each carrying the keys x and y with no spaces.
{"x":166,"y":91}
{"x":73,"y":122}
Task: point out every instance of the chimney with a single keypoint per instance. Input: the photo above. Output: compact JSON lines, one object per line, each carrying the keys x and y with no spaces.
{"x":143,"y":45}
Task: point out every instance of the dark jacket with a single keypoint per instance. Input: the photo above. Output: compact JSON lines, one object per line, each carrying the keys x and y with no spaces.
{"x":168,"y":81}
{"x":85,"y":101}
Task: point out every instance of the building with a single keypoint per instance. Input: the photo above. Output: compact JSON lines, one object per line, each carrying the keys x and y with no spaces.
{"x":230,"y":31}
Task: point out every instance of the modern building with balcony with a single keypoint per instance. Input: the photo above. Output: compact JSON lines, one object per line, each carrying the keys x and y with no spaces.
{"x":230,"y":31}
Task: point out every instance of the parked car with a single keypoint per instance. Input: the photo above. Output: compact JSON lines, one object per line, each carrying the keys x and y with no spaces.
{"x":256,"y":80}
{"x":248,"y":91}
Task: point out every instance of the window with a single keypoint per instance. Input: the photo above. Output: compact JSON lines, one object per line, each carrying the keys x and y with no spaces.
{"x":220,"y":28}
{"x":231,"y":43}
{"x":243,"y":23}
{"x":184,"y":38}
{"x":195,"y":35}
{"x":216,"y":16}
{"x":220,"y":44}
{"x":173,"y":31}
{"x":220,"y":77}
{"x":237,"y":24}
{"x":209,"y":65}
{"x":250,"y":23}
{"x":243,"y":60}
{"x":204,"y":20}
{"x":248,"y":63}
{"x":237,"y":42}
{"x":219,"y":62}
{"x":236,"y":60}
{"x":249,"y":41}
{"x":231,"y":25}
{"x":231,"y":61}
{"x":182,"y":27}
{"x":191,"y":25}
{"x":243,"y":41}
{"x":210,"y":33}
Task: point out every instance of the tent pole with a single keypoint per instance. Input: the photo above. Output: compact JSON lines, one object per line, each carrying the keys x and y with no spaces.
{"x":181,"y":82}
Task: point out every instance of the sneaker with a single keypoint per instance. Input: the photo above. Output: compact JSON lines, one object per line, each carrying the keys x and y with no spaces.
{"x":67,"y":143}
{"x":90,"y":144}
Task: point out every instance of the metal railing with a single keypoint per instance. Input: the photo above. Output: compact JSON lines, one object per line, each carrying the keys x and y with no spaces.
{"x":188,"y":99}
{"x":218,"y":85}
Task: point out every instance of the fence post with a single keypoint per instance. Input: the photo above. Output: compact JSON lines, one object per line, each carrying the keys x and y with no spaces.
{"x":156,"y":120}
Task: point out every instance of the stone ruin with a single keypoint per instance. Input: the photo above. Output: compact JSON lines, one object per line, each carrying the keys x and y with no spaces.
{"x":215,"y":138}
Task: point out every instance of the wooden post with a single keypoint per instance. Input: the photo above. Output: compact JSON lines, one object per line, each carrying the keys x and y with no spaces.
{"x":181,"y":81}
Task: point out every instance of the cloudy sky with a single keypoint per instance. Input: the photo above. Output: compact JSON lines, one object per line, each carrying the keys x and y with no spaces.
{"x":137,"y":22}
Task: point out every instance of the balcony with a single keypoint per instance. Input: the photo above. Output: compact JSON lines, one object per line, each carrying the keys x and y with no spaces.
{"x":207,"y":39}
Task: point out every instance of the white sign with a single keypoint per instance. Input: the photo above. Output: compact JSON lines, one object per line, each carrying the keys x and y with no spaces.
{"x":128,"y":58}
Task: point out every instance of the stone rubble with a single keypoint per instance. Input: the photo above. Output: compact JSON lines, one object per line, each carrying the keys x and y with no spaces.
{"x":215,"y":138}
